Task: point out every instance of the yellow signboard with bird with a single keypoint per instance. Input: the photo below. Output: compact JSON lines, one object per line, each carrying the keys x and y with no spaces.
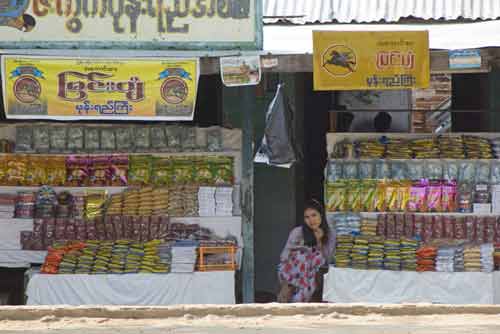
{"x":346,"y":60}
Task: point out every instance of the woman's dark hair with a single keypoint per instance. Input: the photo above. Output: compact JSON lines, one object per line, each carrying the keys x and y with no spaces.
{"x":309,"y":238}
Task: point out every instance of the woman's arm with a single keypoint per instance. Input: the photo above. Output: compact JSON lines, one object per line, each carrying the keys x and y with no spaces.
{"x":328,"y":248}
{"x":295,"y":239}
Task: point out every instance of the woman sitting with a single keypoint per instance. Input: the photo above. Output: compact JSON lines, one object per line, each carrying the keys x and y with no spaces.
{"x":309,"y":247}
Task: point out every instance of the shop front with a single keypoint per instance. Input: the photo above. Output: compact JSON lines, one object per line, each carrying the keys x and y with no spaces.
{"x":119,"y":185}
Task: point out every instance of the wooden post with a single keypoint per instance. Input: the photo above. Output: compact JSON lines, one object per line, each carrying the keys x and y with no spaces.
{"x":247,"y":104}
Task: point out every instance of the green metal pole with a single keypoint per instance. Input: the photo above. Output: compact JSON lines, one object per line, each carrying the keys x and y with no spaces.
{"x":247,"y":99}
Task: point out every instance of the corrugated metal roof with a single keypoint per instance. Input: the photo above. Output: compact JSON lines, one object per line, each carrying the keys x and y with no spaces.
{"x":347,"y":11}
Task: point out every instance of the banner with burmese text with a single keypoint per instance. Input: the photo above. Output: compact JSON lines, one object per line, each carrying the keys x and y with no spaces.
{"x":93,"y":89}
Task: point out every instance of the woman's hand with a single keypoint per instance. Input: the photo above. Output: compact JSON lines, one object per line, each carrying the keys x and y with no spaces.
{"x":319,"y":234}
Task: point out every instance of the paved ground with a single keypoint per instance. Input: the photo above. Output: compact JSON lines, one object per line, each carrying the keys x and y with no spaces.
{"x":268,"y":324}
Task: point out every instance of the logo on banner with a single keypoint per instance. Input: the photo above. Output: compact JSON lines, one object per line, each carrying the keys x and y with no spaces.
{"x":339,"y":60}
{"x":174,"y":89}
{"x":26,"y":88}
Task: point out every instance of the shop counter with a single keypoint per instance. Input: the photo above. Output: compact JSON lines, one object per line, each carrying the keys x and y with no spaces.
{"x":134,"y":289}
{"x":345,"y":285}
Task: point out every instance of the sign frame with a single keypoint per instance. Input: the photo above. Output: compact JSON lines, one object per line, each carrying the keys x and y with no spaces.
{"x":119,"y":118}
{"x":254,"y":45}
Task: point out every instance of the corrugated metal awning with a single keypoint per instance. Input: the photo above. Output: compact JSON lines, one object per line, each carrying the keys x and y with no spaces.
{"x":365,"y":11}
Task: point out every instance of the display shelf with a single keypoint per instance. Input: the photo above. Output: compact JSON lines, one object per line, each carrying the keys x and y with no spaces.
{"x":454,"y":214}
{"x":16,"y":189}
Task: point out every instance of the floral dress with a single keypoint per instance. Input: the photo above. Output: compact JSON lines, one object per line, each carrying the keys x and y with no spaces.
{"x":299,"y":264}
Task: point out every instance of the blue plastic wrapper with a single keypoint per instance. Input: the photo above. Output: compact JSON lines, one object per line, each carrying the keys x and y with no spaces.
{"x":382,"y":170}
{"x":366,"y":170}
{"x":467,"y":171}
{"x":433,"y":170}
{"x":399,"y":170}
{"x":334,"y":171}
{"x":483,"y":172}
{"x":350,"y":170}
{"x":451,"y":170}
{"x":416,"y":170}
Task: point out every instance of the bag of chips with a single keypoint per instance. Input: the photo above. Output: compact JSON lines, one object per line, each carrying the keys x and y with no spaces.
{"x":24,"y":139}
{"x":92,"y":139}
{"x":125,"y":139}
{"x":142,"y":139}
{"x":58,"y":139}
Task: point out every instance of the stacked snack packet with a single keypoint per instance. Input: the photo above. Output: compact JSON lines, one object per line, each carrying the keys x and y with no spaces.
{"x":368,"y":227}
{"x":487,"y":263}
{"x":472,"y":258}
{"x":392,"y":255}
{"x":359,"y":255}
{"x":376,"y":253}
{"x":445,"y":259}
{"x":459,"y":264}
{"x":343,"y":251}
{"x":496,"y":256}
{"x":426,"y":258}
{"x":408,"y":254}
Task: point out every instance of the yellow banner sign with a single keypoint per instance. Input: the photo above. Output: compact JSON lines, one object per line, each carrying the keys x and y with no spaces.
{"x":112,"y":89}
{"x":346,"y":60}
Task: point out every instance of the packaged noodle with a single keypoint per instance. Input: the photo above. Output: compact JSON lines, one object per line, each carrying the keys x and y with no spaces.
{"x":17,"y":167}
{"x":173,"y":135}
{"x":433,"y":170}
{"x":449,"y":197}
{"x":98,"y":171}
{"x":404,"y":194}
{"x":354,"y":190}
{"x":350,"y":170}
{"x":214,"y":140}
{"x":140,"y":169}
{"x":77,"y":170}
{"x":418,"y":198}
{"x":368,"y":194}
{"x":336,"y":194}
{"x":380,"y":197}
{"x":391,"y":196}
{"x":189,"y":139}
{"x":55,"y":170}
{"x":118,"y":170}
{"x":434,"y":196}
{"x":162,"y":171}
{"x":36,"y":173}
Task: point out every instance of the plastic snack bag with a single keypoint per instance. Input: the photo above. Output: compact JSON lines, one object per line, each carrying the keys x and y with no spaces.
{"x":76,"y":139}
{"x":189,"y":139}
{"x":58,"y":139}
{"x":158,"y":138}
{"x":382,"y":170}
{"x":434,"y":196}
{"x":495,"y":172}
{"x":92,"y":140}
{"x":451,"y":170}
{"x":174,"y":138}
{"x":433,"y":170}
{"x":350,"y":170}
{"x":24,"y":139}
{"x":449,"y":197}
{"x":366,"y":170}
{"x":142,"y":139}
{"x":334,"y":171}
{"x":399,"y":170}
{"x":41,"y":139}
{"x":336,"y":197}
{"x":416,"y":170}
{"x":108,"y":139}
{"x":214,"y":140}
{"x":418,"y":198}
{"x":483,"y":172}
{"x":124,"y":139}
{"x":467,"y":171}
{"x":380,"y":197}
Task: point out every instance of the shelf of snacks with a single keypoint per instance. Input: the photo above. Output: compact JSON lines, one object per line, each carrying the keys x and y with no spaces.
{"x":413,"y":146}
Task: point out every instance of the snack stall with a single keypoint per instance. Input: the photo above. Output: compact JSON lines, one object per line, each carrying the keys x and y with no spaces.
{"x":163,"y":219}
{"x":417,"y":218}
